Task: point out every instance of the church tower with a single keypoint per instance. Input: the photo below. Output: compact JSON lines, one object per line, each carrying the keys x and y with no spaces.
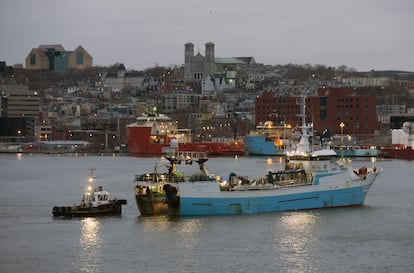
{"x":210,"y":64}
{"x":188,"y":61}
{"x":210,"y":52}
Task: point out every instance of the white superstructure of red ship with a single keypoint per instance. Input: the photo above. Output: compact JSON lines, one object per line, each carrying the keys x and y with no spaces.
{"x":151,"y":134}
{"x":402,"y":143}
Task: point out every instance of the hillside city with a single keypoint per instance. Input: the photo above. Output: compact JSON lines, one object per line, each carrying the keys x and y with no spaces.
{"x":59,"y":95}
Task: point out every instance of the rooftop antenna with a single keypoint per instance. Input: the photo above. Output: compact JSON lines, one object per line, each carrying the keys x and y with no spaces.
{"x":373,"y":60}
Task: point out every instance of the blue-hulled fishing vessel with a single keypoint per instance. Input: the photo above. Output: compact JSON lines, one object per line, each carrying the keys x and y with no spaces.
{"x":149,"y":191}
{"x":268,"y":139}
{"x":311,"y":178}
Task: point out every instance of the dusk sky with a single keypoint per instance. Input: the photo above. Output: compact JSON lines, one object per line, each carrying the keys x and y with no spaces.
{"x":360,"y":34}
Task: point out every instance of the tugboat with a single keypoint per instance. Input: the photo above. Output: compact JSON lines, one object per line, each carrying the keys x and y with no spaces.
{"x":95,"y":202}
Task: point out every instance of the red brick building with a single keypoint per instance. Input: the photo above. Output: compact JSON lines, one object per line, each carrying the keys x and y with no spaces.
{"x":327,"y":110}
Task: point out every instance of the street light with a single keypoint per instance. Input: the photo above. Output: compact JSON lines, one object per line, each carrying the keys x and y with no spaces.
{"x":342,"y":125}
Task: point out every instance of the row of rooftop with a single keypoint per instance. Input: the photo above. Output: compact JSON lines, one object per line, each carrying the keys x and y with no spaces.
{"x":234,"y":97}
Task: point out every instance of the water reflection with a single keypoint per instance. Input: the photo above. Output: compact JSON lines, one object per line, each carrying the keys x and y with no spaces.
{"x":189,"y":232}
{"x":298,"y":221}
{"x":296,"y":249}
{"x":162,"y":223}
{"x":90,"y":243}
{"x":155,"y":223}
{"x":187,"y":229}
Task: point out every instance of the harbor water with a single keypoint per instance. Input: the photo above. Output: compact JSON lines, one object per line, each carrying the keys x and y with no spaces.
{"x":376,"y":237}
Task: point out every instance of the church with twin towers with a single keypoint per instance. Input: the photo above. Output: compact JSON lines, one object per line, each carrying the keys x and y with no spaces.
{"x":199,"y":68}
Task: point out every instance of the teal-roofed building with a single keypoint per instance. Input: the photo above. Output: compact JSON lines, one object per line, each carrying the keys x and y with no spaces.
{"x":58,"y":60}
{"x":55,"y":58}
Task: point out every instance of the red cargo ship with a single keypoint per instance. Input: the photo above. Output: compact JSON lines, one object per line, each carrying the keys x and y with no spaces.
{"x":397,"y":152}
{"x":152,"y":134}
{"x":402,"y":143}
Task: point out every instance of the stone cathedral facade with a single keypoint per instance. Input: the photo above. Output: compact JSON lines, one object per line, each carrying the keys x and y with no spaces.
{"x":197,"y":67}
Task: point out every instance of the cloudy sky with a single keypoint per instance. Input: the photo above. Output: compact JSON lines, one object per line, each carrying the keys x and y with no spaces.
{"x":362,"y":34}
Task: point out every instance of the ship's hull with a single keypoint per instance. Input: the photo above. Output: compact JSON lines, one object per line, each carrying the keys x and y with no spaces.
{"x":254,"y":204}
{"x":357,"y":152}
{"x":258,"y":145}
{"x":203,"y":198}
{"x":406,"y":153}
{"x":152,"y":204}
{"x":140,"y":142}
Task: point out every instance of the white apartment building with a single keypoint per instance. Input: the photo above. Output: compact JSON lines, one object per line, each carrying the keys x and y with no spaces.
{"x":367,"y":81}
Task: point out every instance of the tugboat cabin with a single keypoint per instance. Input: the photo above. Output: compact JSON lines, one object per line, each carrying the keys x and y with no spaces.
{"x":96,"y":198}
